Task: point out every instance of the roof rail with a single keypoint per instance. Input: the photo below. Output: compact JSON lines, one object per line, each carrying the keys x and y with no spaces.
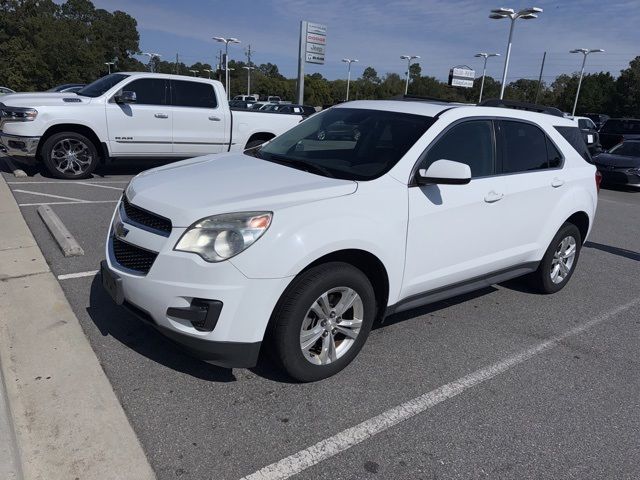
{"x":418,"y":98}
{"x":530,"y":107}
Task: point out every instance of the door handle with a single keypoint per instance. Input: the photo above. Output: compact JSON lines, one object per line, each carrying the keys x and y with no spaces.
{"x":557,"y":182}
{"x":161,"y":115}
{"x":214,"y":119}
{"x":493,"y":197}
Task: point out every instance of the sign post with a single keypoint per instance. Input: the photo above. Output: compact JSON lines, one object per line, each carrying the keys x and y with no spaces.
{"x":312,"y":48}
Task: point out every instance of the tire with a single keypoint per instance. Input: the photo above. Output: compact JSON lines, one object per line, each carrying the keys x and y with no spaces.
{"x":70,"y":155}
{"x":551,"y":277}
{"x":301,"y":307}
{"x":254,"y":143}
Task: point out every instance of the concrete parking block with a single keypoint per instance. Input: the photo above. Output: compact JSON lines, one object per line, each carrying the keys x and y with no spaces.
{"x":67,"y":243}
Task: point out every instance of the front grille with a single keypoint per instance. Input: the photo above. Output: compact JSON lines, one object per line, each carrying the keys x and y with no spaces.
{"x":132,"y":257}
{"x":145,"y":219}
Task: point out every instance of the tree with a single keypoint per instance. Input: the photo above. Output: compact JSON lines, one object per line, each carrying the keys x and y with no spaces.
{"x":369,"y":75}
{"x":627,"y":90}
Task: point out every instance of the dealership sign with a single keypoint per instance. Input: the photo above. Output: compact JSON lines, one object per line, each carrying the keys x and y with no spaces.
{"x":315,"y":43}
{"x":461,"y":76}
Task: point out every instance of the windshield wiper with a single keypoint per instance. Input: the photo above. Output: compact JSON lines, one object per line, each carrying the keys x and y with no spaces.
{"x":303,"y":165}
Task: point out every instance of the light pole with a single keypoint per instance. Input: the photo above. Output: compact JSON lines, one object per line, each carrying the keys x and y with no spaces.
{"x":248,"y":69}
{"x":408,"y":58}
{"x":226,"y":42}
{"x":349,"y":61}
{"x":151,"y":57}
{"x":209,"y":71}
{"x":108,"y":64}
{"x":500,"y":13}
{"x":584,"y":52}
{"x":195,"y":72}
{"x":484,"y":69}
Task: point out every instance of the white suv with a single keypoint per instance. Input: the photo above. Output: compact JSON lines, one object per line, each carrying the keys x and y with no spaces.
{"x":306,"y":241}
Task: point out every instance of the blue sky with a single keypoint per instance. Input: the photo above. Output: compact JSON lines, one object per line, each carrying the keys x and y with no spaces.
{"x":443,"y":32}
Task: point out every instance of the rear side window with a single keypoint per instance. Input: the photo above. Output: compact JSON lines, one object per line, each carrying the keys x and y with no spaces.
{"x":149,"y":91}
{"x":574,"y":136}
{"x":193,"y":94}
{"x":470,"y":143}
{"x":525,"y":147}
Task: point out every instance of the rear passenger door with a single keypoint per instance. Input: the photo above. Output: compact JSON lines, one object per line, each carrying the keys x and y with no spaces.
{"x":531,"y":164}
{"x":199,"y":124}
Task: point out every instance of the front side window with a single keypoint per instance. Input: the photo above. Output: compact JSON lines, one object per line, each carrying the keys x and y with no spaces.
{"x":193,"y":94}
{"x":149,"y":91}
{"x":470,"y":143}
{"x":524,"y":147}
{"x":348,"y":143}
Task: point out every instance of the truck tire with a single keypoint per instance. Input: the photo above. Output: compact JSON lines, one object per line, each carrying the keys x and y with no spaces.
{"x":255,"y":143}
{"x":69,"y":155}
{"x":322,"y":321}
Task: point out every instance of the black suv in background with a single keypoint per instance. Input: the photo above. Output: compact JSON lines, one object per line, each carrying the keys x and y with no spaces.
{"x":616,"y":130}
{"x":598,"y":118}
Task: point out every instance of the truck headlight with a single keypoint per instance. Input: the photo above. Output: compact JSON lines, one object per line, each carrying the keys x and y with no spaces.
{"x":220,"y":237}
{"x":18,"y":114}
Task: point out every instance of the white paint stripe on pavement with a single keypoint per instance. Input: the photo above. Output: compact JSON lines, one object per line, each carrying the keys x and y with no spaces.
{"x":50,"y":195}
{"x":85,"y":202}
{"x":98,"y":185}
{"x":350,"y":437}
{"x":67,"y":276}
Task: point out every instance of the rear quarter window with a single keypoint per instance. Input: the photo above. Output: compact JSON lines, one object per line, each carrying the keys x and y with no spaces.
{"x":574,"y":136}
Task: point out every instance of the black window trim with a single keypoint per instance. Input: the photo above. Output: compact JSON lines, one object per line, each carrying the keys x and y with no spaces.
{"x":215,"y":94}
{"x":497,"y":159}
{"x":133,"y":79}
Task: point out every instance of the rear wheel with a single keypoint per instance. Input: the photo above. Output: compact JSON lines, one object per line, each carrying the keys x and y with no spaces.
{"x":69,"y":155}
{"x":323,"y":320}
{"x":559,"y":261}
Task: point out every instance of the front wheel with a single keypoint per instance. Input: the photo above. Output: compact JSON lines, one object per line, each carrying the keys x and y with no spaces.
{"x":69,"y":155}
{"x":323,"y":320}
{"x":559,"y":261}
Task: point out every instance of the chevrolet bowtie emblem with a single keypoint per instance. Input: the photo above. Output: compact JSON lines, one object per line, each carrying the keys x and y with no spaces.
{"x":119,"y":229}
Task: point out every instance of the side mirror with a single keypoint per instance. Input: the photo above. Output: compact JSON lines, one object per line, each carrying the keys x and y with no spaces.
{"x":126,"y":97}
{"x":445,"y":172}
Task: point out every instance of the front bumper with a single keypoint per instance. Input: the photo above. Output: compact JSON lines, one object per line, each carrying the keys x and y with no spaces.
{"x":19,"y":146}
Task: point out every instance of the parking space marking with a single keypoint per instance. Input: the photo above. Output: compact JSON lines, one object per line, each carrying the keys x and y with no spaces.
{"x":68,"y":276}
{"x":84,"y":202}
{"x":50,"y":195}
{"x":98,"y":185}
{"x":325,"y":449}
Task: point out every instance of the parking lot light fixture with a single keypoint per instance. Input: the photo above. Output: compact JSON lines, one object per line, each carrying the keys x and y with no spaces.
{"x":248,"y":69}
{"x":484,"y":68}
{"x":209,"y":72}
{"x":500,"y":13}
{"x":349,"y":61}
{"x":195,"y":72}
{"x":109,"y":64}
{"x":226,"y":42}
{"x":408,"y":58}
{"x":584,"y":52}
{"x":151,"y":57}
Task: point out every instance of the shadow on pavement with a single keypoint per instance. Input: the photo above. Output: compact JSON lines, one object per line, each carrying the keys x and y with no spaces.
{"x":620,"y":252}
{"x":115,"y":321}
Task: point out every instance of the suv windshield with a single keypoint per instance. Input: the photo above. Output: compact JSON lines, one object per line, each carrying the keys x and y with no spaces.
{"x":347,"y":143}
{"x":101,"y":85}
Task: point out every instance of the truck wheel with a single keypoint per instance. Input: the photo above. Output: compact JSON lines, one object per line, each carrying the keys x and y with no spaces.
{"x":559,"y":261}
{"x":323,"y":320}
{"x":69,"y":155}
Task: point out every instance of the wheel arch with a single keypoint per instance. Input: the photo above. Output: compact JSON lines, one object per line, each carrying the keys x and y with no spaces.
{"x":264,"y":136}
{"x":581,"y":220}
{"x":76,"y":128}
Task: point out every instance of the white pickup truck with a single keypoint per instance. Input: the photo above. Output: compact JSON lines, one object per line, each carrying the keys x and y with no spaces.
{"x":130,"y":115}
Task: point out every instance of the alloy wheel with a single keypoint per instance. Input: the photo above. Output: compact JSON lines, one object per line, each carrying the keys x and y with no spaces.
{"x":563,"y":259}
{"x":71,"y":155}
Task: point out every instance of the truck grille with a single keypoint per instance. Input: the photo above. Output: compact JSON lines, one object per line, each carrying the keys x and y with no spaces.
{"x":145,"y":219}
{"x":132,"y":257}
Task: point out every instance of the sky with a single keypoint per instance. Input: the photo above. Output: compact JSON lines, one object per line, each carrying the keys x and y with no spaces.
{"x":444,"y":33}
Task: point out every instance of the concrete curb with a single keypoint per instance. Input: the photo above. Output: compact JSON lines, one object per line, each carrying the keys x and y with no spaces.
{"x":67,"y":420}
{"x":67,"y":243}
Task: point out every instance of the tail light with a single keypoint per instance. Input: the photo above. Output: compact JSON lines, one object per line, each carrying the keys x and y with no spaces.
{"x":598,"y":180}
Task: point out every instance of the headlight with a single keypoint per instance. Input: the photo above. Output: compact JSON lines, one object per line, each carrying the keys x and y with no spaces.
{"x":18,"y":114}
{"x":221,"y":237}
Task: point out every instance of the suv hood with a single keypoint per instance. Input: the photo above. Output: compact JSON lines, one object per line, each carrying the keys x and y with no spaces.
{"x":200,"y":187}
{"x":42,"y":99}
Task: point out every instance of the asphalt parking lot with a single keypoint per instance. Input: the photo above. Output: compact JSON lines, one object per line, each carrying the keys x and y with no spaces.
{"x":505,"y":383}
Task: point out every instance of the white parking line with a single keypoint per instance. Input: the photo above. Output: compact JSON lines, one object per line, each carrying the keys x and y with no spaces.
{"x":84,"y":202}
{"x":79,"y":200}
{"x":98,"y":185}
{"x":350,"y":437}
{"x":67,"y":276}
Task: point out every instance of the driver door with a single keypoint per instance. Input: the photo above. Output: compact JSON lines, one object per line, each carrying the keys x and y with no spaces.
{"x":456,"y":232}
